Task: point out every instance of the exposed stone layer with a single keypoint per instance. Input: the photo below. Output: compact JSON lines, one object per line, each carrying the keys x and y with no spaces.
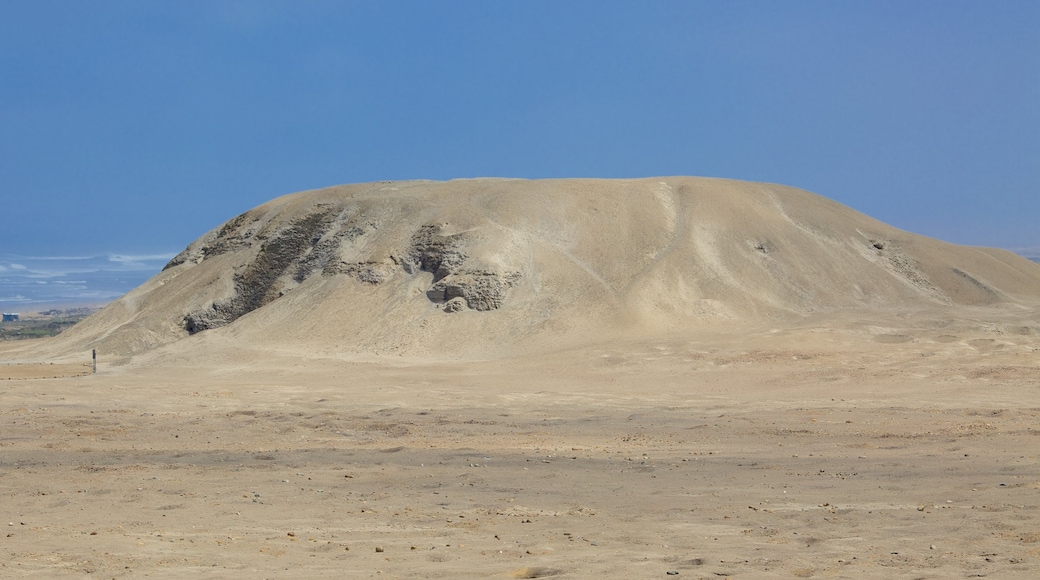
{"x":470,"y":267}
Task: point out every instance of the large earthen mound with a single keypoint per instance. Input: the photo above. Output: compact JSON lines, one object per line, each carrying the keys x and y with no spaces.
{"x":484,"y":267}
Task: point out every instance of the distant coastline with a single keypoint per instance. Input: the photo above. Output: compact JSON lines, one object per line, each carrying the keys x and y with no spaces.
{"x":40,"y":283}
{"x":44,"y":323}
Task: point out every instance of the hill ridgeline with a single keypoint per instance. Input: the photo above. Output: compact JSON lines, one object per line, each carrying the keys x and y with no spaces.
{"x":482,"y":267}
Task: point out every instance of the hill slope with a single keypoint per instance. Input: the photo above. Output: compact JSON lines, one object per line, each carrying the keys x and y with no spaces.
{"x":489,"y":266}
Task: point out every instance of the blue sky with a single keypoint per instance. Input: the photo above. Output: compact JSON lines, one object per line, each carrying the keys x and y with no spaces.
{"x":132,"y":127}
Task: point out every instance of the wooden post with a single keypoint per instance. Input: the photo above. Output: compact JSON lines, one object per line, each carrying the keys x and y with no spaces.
{"x":94,"y":355}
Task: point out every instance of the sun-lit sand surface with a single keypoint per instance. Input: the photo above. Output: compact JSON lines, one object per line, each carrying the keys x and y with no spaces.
{"x":893,"y":434}
{"x":43,"y":371}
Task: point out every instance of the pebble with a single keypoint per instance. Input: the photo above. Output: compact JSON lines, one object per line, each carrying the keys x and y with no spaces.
{"x":672,"y":573}
{"x":379,"y":548}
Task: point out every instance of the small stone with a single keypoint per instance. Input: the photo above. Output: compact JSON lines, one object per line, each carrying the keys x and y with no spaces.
{"x":920,"y":508}
{"x":672,"y":573}
{"x":932,"y":547}
{"x":379,"y":548}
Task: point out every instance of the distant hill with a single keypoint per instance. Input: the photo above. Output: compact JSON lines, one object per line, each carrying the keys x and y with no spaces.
{"x":481,"y":267}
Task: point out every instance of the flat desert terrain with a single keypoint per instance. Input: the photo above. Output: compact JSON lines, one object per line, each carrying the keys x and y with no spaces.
{"x":668,"y":377}
{"x":809,"y":453}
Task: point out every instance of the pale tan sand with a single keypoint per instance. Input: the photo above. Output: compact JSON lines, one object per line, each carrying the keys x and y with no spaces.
{"x":889,"y":435}
{"x":43,"y":371}
{"x":812,"y":454}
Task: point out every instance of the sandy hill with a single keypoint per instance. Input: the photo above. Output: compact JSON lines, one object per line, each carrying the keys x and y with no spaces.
{"x":481,"y":267}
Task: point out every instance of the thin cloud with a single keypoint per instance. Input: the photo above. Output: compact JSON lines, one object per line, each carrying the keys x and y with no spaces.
{"x":48,"y":258}
{"x":35,"y":273}
{"x":1032,"y":252}
{"x":119,"y":258}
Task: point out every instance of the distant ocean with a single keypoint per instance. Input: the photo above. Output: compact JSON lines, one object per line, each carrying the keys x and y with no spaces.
{"x":33,"y":283}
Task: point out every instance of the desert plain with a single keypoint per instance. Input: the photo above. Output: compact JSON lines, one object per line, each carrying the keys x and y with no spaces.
{"x":893,"y":438}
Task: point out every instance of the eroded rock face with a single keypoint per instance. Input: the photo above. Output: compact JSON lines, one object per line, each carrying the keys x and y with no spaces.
{"x":218,"y":314}
{"x":368,"y":272}
{"x":313,"y":245}
{"x":237,"y":234}
{"x":481,"y":291}
{"x":445,"y":257}
{"x":435,"y":253}
{"x":297,"y":251}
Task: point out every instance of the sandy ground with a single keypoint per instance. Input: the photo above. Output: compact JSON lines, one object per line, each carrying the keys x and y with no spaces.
{"x":10,"y":372}
{"x":812,"y":453}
